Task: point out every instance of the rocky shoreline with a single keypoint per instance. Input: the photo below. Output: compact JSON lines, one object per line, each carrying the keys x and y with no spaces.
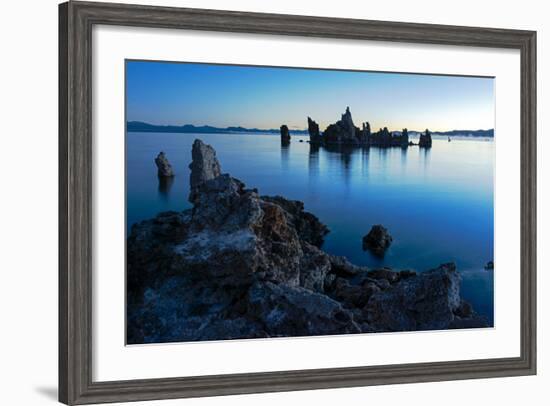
{"x":242,"y":265}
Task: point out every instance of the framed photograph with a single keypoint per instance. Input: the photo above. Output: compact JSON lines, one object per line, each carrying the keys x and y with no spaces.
{"x":260,"y":202}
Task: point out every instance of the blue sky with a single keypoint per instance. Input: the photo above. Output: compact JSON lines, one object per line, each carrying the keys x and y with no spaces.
{"x":262,"y":97}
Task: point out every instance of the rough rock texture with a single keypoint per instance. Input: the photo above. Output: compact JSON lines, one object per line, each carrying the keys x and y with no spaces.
{"x":204,"y":166}
{"x":425,"y":140}
{"x":377,"y":240}
{"x":285,"y":134}
{"x":240,"y":265}
{"x":163,"y":165}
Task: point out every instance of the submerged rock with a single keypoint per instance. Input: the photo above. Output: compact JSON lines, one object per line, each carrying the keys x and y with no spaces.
{"x":163,"y":165}
{"x":241,"y":265}
{"x":377,"y":240}
{"x":489,"y":265}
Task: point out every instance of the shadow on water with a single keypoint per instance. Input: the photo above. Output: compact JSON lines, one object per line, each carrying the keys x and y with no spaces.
{"x":165,"y":184}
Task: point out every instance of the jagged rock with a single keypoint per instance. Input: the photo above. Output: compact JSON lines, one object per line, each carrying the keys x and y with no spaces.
{"x":342,"y":132}
{"x":238,"y":265}
{"x":425,"y":140}
{"x":308,"y":227}
{"x":313,"y":130}
{"x":204,"y":166}
{"x":285,"y":134}
{"x":294,"y":311}
{"x":163,"y":165}
{"x":424,"y":302}
{"x":377,"y":240}
{"x":386,"y":274}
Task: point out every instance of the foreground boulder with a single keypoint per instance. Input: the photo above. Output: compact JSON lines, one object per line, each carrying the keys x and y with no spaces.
{"x":163,"y":165}
{"x":241,"y":265}
{"x":378,"y":240}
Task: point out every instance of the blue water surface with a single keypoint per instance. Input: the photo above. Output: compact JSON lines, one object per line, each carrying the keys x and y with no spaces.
{"x":437,"y":203}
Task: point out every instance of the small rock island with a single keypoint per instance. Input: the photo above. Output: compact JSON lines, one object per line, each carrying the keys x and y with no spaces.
{"x":163,"y":165}
{"x":344,"y":132}
{"x":242,"y":265}
{"x":285,"y":134}
{"x":378,"y":240}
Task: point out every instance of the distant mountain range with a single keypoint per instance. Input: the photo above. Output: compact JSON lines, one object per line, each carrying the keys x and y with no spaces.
{"x":139,"y":126}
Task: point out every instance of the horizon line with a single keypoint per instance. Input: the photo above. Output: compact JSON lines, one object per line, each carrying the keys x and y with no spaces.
{"x":305,"y":129}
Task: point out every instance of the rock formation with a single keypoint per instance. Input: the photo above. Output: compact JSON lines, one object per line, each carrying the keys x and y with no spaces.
{"x":163,"y":165}
{"x":365,"y":134}
{"x":344,"y":132}
{"x":285,"y":134}
{"x":204,"y":166}
{"x":377,"y":240}
{"x":241,"y":265}
{"x":404,"y":138}
{"x":425,"y":140}
{"x":313,"y":129}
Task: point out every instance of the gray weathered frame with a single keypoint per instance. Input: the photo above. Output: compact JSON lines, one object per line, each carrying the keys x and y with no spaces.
{"x":75,"y":203}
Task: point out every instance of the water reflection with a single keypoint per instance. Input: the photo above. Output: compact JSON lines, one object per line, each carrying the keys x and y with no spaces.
{"x":424,"y":155}
{"x":343,"y":155}
{"x":165,"y":184}
{"x":313,"y":161}
{"x":285,"y":150}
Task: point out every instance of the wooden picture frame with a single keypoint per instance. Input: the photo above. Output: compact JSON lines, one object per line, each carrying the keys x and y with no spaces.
{"x":76,"y":20}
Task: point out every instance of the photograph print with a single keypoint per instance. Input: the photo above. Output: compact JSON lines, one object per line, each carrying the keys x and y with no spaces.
{"x":266,"y":202}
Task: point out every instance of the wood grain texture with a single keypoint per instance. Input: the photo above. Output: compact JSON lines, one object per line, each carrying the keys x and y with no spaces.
{"x":76,"y":20}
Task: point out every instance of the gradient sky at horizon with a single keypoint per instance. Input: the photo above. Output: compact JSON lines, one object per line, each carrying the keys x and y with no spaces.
{"x":171,"y":93}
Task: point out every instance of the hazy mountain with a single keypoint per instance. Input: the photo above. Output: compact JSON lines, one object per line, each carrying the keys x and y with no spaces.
{"x":139,"y":126}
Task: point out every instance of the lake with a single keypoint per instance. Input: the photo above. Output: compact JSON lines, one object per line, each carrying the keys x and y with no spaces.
{"x":436,"y":203}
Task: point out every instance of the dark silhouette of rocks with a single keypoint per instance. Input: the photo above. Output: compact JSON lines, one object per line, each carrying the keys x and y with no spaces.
{"x":204,"y":166}
{"x":313,"y":129}
{"x":163,"y":165}
{"x":285,"y":134}
{"x":344,"y":132}
{"x":425,"y":140}
{"x":378,"y":240}
{"x":241,"y":265}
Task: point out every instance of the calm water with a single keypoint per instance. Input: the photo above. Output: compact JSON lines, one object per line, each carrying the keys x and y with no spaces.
{"x":437,"y":204}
